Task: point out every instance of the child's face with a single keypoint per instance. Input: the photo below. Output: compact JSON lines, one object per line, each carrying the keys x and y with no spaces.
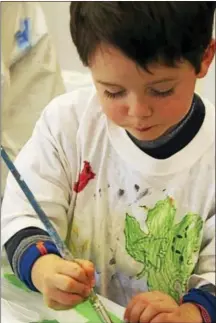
{"x":146,"y":105}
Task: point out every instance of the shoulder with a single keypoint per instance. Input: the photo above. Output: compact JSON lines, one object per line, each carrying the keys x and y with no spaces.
{"x":67,"y":111}
{"x":209,"y":105}
{"x":205,"y":138}
{"x":208,"y":133}
{"x":203,"y":170}
{"x":74,"y":103}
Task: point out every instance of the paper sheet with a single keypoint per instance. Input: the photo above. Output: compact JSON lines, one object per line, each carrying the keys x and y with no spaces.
{"x":23,"y":306}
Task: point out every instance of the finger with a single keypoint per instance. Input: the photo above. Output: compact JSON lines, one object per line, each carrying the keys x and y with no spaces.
{"x":130,"y":306}
{"x":151,"y":311}
{"x":64,"y":298}
{"x":136,"y":311}
{"x":128,"y":310}
{"x":69,"y":285}
{"x":85,"y":263}
{"x":89,"y":269}
{"x":166,"y":318}
{"x":74,"y":270}
{"x":55,"y":305}
{"x":147,"y":297}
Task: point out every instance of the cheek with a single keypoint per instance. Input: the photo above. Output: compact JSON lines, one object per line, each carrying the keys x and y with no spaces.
{"x":175,"y":109}
{"x":173,"y":115}
{"x":114,"y":111}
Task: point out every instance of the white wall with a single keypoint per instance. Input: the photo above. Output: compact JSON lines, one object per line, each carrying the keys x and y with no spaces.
{"x":57,"y":16}
{"x":68,"y":57}
{"x":207,"y":84}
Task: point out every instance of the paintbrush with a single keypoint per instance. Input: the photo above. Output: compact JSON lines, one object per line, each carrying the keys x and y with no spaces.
{"x":64,"y":251}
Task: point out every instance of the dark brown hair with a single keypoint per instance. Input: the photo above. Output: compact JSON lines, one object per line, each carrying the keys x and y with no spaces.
{"x":146,"y":31}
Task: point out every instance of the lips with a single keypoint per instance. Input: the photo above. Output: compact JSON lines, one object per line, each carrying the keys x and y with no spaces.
{"x":144,"y":128}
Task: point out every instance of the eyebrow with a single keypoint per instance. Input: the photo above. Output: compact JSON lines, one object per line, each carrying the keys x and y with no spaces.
{"x":150,"y":83}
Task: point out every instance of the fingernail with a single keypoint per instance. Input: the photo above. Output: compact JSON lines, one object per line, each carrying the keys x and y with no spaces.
{"x":93,"y":283}
{"x":86,"y":291}
{"x":125,"y":320}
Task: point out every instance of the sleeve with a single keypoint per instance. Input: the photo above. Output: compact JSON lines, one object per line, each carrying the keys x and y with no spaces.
{"x":48,"y":164}
{"x":204,"y":273}
{"x":201,"y":285}
{"x":24,"y":248}
{"x":13,"y":243}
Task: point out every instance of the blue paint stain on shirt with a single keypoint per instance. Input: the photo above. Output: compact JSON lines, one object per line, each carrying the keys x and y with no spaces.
{"x":22,"y":37}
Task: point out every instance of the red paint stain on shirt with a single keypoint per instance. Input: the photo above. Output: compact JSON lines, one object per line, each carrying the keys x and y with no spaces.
{"x":84,"y":177}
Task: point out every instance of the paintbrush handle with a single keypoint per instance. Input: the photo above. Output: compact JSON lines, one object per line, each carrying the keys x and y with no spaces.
{"x":64,"y":251}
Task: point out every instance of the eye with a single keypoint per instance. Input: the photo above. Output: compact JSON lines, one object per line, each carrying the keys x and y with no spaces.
{"x":162,"y":93}
{"x":115,"y":95}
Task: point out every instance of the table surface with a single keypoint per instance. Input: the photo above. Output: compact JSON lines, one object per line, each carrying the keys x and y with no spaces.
{"x":21,"y":306}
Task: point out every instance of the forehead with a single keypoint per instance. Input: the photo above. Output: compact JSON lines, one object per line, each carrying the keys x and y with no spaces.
{"x":111,"y":62}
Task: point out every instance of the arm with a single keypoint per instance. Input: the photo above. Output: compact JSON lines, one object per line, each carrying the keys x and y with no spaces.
{"x":43,"y":164}
{"x":48,"y":163}
{"x":204,"y":273}
{"x":197,"y":305}
{"x":201,"y":284}
{"x":23,"y":250}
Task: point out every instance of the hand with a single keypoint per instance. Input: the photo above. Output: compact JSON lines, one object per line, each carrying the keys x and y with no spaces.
{"x":63,"y":283}
{"x":144,"y":307}
{"x":187,"y":313}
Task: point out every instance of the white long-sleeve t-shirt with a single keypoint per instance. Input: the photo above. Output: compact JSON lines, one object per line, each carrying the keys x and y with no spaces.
{"x":146,"y":223}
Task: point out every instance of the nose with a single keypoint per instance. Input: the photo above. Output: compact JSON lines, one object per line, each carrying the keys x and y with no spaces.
{"x":138,"y":108}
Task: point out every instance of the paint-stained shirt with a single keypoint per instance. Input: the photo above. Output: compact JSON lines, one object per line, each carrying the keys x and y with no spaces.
{"x":146,"y":223}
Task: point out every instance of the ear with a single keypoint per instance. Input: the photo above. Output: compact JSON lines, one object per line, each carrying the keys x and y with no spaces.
{"x":207,"y":59}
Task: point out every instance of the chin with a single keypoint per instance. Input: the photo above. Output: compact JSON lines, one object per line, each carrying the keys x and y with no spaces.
{"x":146,"y":135}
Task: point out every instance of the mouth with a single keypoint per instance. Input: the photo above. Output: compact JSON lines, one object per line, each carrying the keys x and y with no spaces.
{"x":144,"y":129}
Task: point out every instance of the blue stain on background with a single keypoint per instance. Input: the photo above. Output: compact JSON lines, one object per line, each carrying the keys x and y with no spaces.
{"x":23,"y":35}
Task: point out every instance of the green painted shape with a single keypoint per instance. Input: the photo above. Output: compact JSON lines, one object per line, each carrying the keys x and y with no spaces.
{"x":167,"y":250}
{"x":11,"y":278}
{"x":85,"y":309}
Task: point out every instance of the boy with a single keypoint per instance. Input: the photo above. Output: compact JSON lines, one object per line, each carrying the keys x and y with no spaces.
{"x":126,"y":172}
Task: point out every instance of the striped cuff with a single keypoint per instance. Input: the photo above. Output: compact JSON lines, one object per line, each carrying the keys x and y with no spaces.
{"x":23,"y":246}
{"x":28,"y":251}
{"x":13,"y":243}
{"x":205,"y":301}
{"x":205,"y":315}
{"x":29,"y":257}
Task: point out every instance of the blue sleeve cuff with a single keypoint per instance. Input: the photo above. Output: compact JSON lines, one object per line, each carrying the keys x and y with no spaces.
{"x":205,"y":301}
{"x":29,"y":257}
